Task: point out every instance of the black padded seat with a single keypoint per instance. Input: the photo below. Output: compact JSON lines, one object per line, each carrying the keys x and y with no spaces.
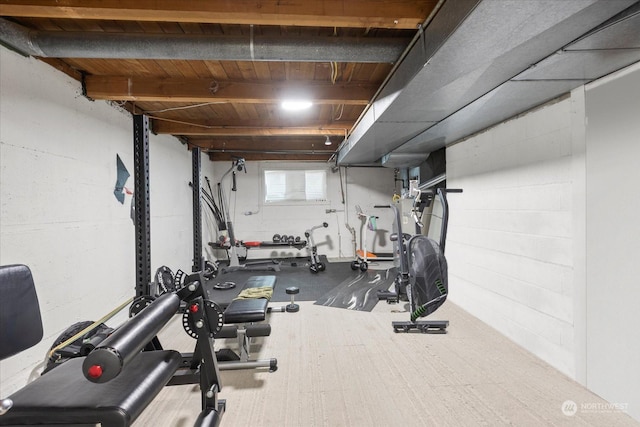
{"x":64,"y":396}
{"x":246,"y":310}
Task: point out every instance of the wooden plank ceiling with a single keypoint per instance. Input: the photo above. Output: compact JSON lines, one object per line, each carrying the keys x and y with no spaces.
{"x":229,"y":107}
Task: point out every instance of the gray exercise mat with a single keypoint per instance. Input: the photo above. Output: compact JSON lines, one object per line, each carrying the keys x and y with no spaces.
{"x":360,"y":292}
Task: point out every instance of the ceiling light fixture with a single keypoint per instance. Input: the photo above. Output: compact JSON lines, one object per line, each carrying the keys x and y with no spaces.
{"x":296,"y":105}
{"x":327,"y":141}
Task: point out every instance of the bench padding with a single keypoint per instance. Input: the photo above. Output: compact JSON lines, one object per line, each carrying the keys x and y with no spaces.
{"x":116,"y":403}
{"x":246,"y":310}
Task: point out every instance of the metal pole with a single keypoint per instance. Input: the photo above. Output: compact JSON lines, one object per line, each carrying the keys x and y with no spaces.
{"x":141,"y":197}
{"x":198,"y":260}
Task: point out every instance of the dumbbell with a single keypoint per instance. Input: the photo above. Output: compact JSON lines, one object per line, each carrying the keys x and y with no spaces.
{"x":293,"y":307}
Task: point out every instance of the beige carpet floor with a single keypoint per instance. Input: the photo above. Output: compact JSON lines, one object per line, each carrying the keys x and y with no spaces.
{"x":347,"y":368}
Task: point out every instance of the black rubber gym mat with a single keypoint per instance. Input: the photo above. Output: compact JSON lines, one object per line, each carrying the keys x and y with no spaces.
{"x":312,"y":285}
{"x":359,"y":292}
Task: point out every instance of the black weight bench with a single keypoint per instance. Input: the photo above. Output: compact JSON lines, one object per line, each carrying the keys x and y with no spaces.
{"x":240,"y":317}
{"x":65,"y":396}
{"x":114,"y":383}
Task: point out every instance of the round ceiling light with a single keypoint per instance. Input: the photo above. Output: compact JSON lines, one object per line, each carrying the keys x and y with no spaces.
{"x":296,"y":105}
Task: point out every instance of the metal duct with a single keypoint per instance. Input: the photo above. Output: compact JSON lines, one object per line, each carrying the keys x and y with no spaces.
{"x":476,"y":70}
{"x":404,"y":160}
{"x":59,"y":44}
{"x":609,"y":47}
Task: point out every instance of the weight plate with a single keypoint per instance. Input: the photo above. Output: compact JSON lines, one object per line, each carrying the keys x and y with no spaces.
{"x":164,"y":280}
{"x":139,"y":304}
{"x":178,"y":279}
{"x":213,"y":314}
{"x":224,"y":286}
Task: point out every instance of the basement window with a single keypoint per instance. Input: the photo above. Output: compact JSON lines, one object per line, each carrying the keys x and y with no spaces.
{"x":295,"y":185}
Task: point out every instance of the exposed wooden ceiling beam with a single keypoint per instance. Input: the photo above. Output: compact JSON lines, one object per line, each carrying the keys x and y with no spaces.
{"x":230,"y":156}
{"x":163,"y":123}
{"x":250,"y":128}
{"x":401,"y":14}
{"x":282,"y":145}
{"x":272,"y":152}
{"x":116,"y":88}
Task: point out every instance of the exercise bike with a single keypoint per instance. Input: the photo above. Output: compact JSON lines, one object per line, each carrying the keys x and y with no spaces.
{"x":422,"y":273}
{"x":315,"y":265}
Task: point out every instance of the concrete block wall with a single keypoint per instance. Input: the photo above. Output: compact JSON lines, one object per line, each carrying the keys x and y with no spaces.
{"x":362,"y":186}
{"x":510,"y":245}
{"x":58,"y":213}
{"x":613,"y":238}
{"x":543,"y":243}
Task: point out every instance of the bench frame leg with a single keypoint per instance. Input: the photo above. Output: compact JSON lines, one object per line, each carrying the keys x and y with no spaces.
{"x":242,"y":361}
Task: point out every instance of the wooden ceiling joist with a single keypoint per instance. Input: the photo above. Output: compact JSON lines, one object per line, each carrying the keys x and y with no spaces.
{"x":117,"y":88}
{"x":249,"y":128}
{"x":213,"y":73}
{"x":289,"y":122}
{"x":281,"y":145}
{"x":248,"y":156}
{"x":398,"y":14}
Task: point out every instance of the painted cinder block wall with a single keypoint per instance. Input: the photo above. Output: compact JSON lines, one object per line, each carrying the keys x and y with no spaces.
{"x":509,"y":240}
{"x":58,"y":213}
{"x":543,"y":246}
{"x":364,"y":187}
{"x":612,"y":341}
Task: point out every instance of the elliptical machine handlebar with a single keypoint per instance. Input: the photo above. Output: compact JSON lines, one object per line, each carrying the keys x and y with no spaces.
{"x":414,"y":210}
{"x":404,"y":263}
{"x":441,"y":193}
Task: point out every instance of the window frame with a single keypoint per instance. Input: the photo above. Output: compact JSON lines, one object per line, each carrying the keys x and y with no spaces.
{"x":277,"y":166}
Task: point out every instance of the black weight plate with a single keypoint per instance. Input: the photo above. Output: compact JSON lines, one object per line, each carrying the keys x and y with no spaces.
{"x":164,"y":280}
{"x":139,"y":304}
{"x":224,"y":286}
{"x":213,"y":314}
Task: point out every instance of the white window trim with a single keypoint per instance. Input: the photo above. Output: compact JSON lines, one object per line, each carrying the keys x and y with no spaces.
{"x":272,"y":166}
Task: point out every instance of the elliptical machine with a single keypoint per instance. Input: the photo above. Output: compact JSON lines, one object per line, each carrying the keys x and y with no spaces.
{"x":315,"y":265}
{"x":422,"y":272}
